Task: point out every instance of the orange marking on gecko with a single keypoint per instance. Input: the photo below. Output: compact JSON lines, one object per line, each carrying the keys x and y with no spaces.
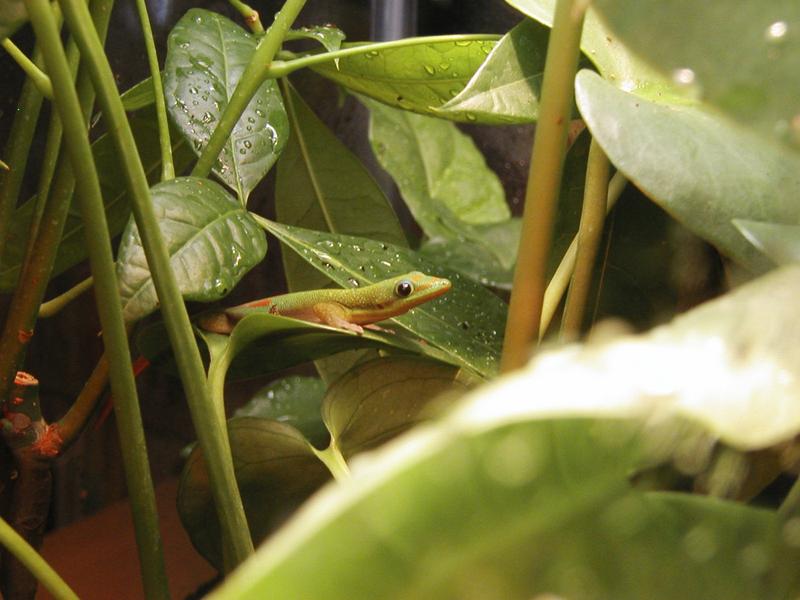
{"x":263,"y":302}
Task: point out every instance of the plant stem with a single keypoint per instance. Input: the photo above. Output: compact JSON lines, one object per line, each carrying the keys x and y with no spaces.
{"x":34,"y":73}
{"x":252,"y":78}
{"x":167,"y":165}
{"x":140,"y":485}
{"x":283,"y":68}
{"x":250,"y":15}
{"x":544,"y":180}
{"x":190,"y":367}
{"x":24,"y":553}
{"x":71,"y":424}
{"x":55,"y":305}
{"x":332,"y":458}
{"x":590,"y":232}
{"x":560,"y":280}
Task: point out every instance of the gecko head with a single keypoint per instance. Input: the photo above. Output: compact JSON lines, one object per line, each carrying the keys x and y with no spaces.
{"x":416,"y":287}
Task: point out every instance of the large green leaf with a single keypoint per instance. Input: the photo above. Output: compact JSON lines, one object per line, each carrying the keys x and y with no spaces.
{"x":276,"y":470}
{"x":779,"y":242}
{"x":327,"y":35}
{"x":744,"y":59}
{"x":506,"y":87}
{"x":72,"y":249}
{"x":695,"y":165}
{"x":441,"y":174}
{"x":12,"y":16}
{"x":617,"y":64}
{"x":418,"y":76}
{"x":206,"y":56}
{"x":466,"y":323}
{"x":294,"y":401}
{"x":212,"y":242}
{"x":380,"y":399}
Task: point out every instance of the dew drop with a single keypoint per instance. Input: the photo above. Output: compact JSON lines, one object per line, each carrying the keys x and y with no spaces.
{"x":352,"y":281}
{"x":471,"y":117}
{"x":372,"y":54}
{"x":464,"y":325}
{"x":463,"y":43}
{"x":683,"y":76}
{"x":248,"y":144}
{"x":776,"y":32}
{"x":430,"y":70}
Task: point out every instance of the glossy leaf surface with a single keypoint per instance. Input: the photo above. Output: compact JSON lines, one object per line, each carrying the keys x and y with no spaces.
{"x":781,"y":243}
{"x":72,"y":249}
{"x":276,"y":470}
{"x":419,"y":77}
{"x":380,"y":399}
{"x":206,"y":56}
{"x":697,"y":166}
{"x":466,"y":323}
{"x":745,"y":61}
{"x":330,"y":37}
{"x":212,"y":242}
{"x":294,"y":401}
{"x":506,"y":87}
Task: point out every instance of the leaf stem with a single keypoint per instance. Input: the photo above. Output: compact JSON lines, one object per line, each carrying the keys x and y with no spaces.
{"x":24,"y":553}
{"x":252,"y":77}
{"x":140,"y":487}
{"x":283,"y":68}
{"x":250,"y":15}
{"x":332,"y":458}
{"x":190,"y":367}
{"x":55,"y":305}
{"x":71,"y":424}
{"x":544,"y":179}
{"x":560,"y":280}
{"x":590,"y":232}
{"x":167,"y":164}
{"x":36,"y":75}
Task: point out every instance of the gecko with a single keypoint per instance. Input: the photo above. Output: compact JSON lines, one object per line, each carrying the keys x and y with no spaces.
{"x":352,"y":309}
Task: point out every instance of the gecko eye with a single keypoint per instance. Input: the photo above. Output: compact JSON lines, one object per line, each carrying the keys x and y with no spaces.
{"x":404,"y":288}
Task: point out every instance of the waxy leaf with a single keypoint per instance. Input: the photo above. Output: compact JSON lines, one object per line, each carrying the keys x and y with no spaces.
{"x":441,"y":174}
{"x":698,"y":167}
{"x":617,"y":64}
{"x":276,"y":470}
{"x":212,"y":242}
{"x":206,"y":56}
{"x":330,"y":37}
{"x":72,"y":249}
{"x":294,"y":401}
{"x":138,"y":95}
{"x":745,"y":62}
{"x":466,"y":323}
{"x":12,"y":16}
{"x":506,"y":87}
{"x":779,"y":242}
{"x":380,"y":399}
{"x":416,"y":76}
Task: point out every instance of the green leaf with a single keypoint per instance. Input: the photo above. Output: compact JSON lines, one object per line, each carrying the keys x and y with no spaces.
{"x":276,"y":470}
{"x":330,"y":37}
{"x":506,"y":87}
{"x":466,"y":323}
{"x":702,"y":170}
{"x":138,"y":95}
{"x":779,"y":242}
{"x":206,"y":55}
{"x":617,"y":64}
{"x":12,"y":16}
{"x":294,"y":401}
{"x":745,"y":62}
{"x":72,"y":249}
{"x":212,"y":242}
{"x":419,"y":76}
{"x":378,"y":400}
{"x":441,"y":174}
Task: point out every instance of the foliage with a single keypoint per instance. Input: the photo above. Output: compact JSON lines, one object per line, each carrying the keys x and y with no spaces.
{"x":411,"y":467}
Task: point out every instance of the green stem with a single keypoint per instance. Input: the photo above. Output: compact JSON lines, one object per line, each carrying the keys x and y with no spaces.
{"x":250,"y":15}
{"x":283,"y":68}
{"x":544,"y":180}
{"x":16,"y":153}
{"x":140,"y":487}
{"x":55,"y":305}
{"x":332,"y":458}
{"x":71,"y":424}
{"x":558,"y":284}
{"x":590,"y":232}
{"x":190,"y":366}
{"x":24,"y":553}
{"x":252,"y":78}
{"x":39,"y":79}
{"x":167,"y":165}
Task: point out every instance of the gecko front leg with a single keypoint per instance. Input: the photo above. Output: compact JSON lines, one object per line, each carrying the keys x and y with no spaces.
{"x":335,"y":315}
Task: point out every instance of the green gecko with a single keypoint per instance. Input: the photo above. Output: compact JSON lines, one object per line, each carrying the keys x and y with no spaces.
{"x":348,"y":308}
